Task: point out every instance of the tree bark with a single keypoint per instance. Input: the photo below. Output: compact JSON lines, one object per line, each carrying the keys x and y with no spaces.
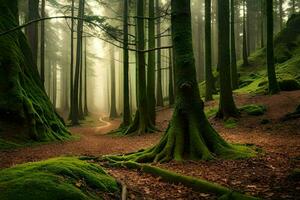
{"x":233,"y":65}
{"x":208,"y":58}
{"x":113,"y":110}
{"x":42,"y":47}
{"x":159,"y":94}
{"x":273,"y":84}
{"x":245,"y":48}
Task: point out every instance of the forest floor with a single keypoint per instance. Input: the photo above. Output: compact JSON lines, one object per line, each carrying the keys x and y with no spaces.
{"x":266,"y":176}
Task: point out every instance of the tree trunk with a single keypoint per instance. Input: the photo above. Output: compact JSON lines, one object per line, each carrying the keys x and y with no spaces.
{"x":86,"y":110}
{"x":227,"y":106}
{"x":171,"y":72}
{"x":245,"y":48}
{"x":262,"y":27}
{"x":23,"y":101}
{"x":75,"y":107}
{"x":233,"y":65}
{"x":208,"y":59}
{"x":159,"y":94}
{"x":273,"y":85}
{"x":151,"y":63}
{"x":54,"y":83}
{"x":32,"y":30}
{"x":126,"y":105}
{"x":281,"y":13}
{"x":189,"y":135}
{"x":142,"y":123}
{"x":42,"y":47}
{"x":72,"y":63}
{"x":113,"y":111}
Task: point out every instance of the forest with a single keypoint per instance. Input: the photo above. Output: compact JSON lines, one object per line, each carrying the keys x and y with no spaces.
{"x":149,"y":99}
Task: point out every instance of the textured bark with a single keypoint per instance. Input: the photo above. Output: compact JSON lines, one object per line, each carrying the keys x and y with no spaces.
{"x":86,"y":110}
{"x":227,"y":106}
{"x":233,"y":65}
{"x":262,"y":27}
{"x":171,"y":79}
{"x":72,"y":62}
{"x":159,"y":94}
{"x":23,"y":101}
{"x":273,"y":84}
{"x":208,"y":59}
{"x":281,"y":13}
{"x":151,"y":63}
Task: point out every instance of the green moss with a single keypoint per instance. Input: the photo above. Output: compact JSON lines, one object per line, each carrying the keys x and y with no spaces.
{"x":211,"y":112}
{"x":23,"y":101}
{"x":230,"y":123}
{"x":253,"y":109}
{"x":58,"y":178}
{"x":289,"y":85}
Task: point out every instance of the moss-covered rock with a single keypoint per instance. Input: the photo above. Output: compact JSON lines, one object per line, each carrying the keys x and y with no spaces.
{"x":254,"y":109}
{"x":230,"y":123}
{"x":58,"y":178}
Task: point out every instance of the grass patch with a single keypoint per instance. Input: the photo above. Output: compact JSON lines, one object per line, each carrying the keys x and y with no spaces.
{"x":230,"y":123}
{"x":253,"y":109}
{"x":58,"y":178}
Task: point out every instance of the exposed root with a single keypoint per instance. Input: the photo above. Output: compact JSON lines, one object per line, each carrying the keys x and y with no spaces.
{"x":196,"y":184}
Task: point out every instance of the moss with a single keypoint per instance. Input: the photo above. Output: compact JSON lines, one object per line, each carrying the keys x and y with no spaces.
{"x":254,"y":109}
{"x":253,"y":79}
{"x":230,"y":123}
{"x":58,"y":178}
{"x":4,"y":145}
{"x":211,"y":112}
{"x":23,"y":100}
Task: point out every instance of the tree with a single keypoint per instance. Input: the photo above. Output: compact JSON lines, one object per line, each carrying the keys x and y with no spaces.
{"x":208,"y":60}
{"x":227,"y":106}
{"x":72,"y":62}
{"x":75,"y":102}
{"x":245,"y":48}
{"x":273,"y":84}
{"x":42,"y":44}
{"x":86,"y":110}
{"x":126,"y":107}
{"x":171,"y":74}
{"x":23,"y":100}
{"x":233,"y":65}
{"x":281,"y":14}
{"x":262,"y":19}
{"x":113,"y":110}
{"x":189,"y":134}
{"x":159,"y":94}
{"x":141,"y":123}
{"x":32,"y":30}
{"x":151,"y":63}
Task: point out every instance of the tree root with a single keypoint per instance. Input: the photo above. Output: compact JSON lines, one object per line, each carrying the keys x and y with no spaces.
{"x":196,"y":184}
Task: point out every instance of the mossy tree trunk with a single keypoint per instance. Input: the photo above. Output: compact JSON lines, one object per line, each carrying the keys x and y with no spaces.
{"x":23,"y":100}
{"x":151,"y":62}
{"x":227,"y":106}
{"x":159,"y":94}
{"x":208,"y":58}
{"x":113,"y":110}
{"x":233,"y":65}
{"x":189,"y":135}
{"x":273,"y":84}
{"x":245,"y":48}
{"x":32,"y":30}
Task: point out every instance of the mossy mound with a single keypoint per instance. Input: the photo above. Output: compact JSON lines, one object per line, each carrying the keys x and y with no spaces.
{"x":253,"y":78}
{"x":58,"y":178}
{"x":253,"y":109}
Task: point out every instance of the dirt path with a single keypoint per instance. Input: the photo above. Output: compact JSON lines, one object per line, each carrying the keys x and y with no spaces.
{"x":265,"y":176}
